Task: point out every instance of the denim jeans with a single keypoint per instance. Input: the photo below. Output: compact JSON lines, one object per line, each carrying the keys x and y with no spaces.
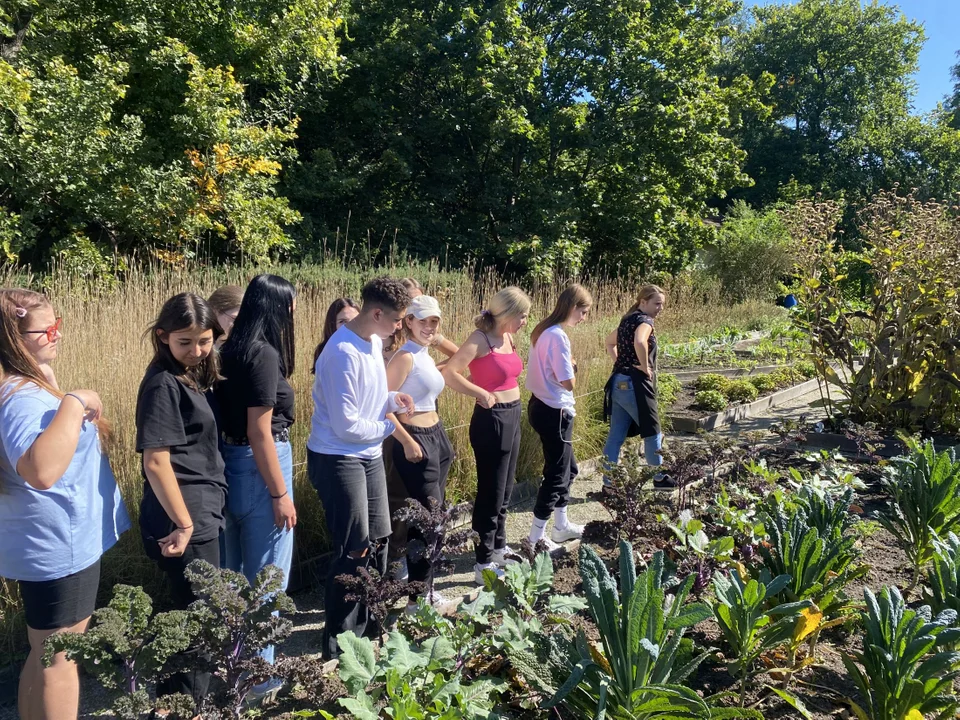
{"x":251,"y":538}
{"x":624,"y":413}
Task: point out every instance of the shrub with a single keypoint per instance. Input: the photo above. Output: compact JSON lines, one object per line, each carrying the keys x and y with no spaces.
{"x":764,"y":383}
{"x":712,"y":381}
{"x":752,"y":253}
{"x":907,"y":325}
{"x":786,"y":376}
{"x":806,"y":368}
{"x":741,"y":391}
{"x":710,"y":400}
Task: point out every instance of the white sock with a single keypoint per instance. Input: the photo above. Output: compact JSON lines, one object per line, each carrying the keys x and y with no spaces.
{"x":537,"y":530}
{"x":560,"y":518}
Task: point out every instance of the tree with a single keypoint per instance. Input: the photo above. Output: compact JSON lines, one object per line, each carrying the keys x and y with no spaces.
{"x":129,"y":125}
{"x":550,"y":135}
{"x":953,"y":102}
{"x":840,"y":99}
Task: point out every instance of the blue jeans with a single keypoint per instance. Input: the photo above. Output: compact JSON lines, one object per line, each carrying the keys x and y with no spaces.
{"x":624,"y":413}
{"x":251,"y":538}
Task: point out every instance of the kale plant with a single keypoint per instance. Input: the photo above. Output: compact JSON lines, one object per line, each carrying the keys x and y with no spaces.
{"x":126,"y":650}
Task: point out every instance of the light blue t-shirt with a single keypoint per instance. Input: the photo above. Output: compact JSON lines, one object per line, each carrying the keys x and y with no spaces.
{"x":49,"y":534}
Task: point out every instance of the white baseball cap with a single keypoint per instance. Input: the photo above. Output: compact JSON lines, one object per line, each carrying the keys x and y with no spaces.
{"x":423,"y":307}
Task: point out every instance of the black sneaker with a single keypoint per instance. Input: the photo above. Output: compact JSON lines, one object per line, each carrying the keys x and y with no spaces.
{"x":664,"y":482}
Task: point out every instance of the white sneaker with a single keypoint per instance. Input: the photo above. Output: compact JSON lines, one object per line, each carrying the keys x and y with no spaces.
{"x":504,"y":556}
{"x":400,"y":571}
{"x":436,"y":599}
{"x":571,"y":532}
{"x":478,"y":571}
{"x":552,"y":547}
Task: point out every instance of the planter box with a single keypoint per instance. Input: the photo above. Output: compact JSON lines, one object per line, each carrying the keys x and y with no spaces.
{"x":886,"y":448}
{"x":687,"y":376}
{"x":739,"y":412}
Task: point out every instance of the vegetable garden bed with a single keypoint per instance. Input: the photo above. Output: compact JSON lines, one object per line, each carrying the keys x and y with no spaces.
{"x":685,"y":415}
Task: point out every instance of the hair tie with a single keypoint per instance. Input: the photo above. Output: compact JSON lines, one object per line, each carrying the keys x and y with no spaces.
{"x":21,"y":312}
{"x":485,"y":313}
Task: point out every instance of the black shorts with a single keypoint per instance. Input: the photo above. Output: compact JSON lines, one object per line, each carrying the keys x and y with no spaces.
{"x":61,"y":603}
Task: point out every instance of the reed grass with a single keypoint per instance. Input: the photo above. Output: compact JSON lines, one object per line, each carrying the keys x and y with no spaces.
{"x":103,"y":348}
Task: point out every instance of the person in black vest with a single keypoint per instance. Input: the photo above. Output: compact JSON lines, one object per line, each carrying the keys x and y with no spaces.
{"x":630,"y":400}
{"x":182,"y":511}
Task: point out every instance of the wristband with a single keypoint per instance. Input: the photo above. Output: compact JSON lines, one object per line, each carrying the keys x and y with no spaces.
{"x":277,"y":497}
{"x":77,"y":398}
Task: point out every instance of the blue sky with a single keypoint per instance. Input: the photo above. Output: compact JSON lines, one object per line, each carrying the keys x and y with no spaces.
{"x":941,"y":22}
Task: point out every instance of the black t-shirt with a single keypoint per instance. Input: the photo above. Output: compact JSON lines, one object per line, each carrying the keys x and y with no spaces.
{"x":172,"y":415}
{"x":253,"y":382}
{"x":626,"y":332}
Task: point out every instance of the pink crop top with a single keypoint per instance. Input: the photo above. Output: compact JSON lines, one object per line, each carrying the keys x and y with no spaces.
{"x":496,"y":372}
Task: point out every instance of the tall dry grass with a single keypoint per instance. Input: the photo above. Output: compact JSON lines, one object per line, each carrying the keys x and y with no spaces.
{"x":103,"y":349}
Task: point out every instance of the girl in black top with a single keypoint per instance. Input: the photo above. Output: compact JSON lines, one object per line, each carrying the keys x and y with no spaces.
{"x":256,"y":411}
{"x":631,"y":393}
{"x":181,"y":514}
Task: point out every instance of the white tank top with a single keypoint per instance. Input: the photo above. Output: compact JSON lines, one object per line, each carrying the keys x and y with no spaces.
{"x":424,"y":382}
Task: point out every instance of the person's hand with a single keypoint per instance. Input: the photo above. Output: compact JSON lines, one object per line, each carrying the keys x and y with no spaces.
{"x":175,"y":544}
{"x":406,"y":404}
{"x":284,"y":512}
{"x":92,"y":407}
{"x":487,"y":401}
{"x":413,"y":452}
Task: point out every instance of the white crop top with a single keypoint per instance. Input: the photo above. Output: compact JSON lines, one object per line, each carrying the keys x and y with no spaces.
{"x":424,"y":383}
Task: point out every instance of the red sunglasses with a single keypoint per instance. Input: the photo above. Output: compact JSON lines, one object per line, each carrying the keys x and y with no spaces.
{"x":50,"y":332}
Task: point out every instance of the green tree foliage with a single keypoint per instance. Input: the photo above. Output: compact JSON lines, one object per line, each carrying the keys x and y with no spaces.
{"x":549,"y":133}
{"x":840,"y":101}
{"x":130,"y":123}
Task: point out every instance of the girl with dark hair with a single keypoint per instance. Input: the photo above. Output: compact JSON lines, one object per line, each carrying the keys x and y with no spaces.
{"x":256,"y":412}
{"x":225,"y":302}
{"x":341,"y":311}
{"x":60,"y":508}
{"x":181,"y":514}
{"x":551,"y":378}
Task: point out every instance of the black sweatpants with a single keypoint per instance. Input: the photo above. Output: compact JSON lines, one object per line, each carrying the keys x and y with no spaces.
{"x":555,"y":428}
{"x":423,"y":480}
{"x":397,"y":498}
{"x":354,"y":495}
{"x":495,"y":437}
{"x":194,"y":682}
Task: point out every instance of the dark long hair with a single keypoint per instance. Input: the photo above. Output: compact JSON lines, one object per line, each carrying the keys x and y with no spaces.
{"x":330,"y":325}
{"x":265,"y":317}
{"x":182,"y":312}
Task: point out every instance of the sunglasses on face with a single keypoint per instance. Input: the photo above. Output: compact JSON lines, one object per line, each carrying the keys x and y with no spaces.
{"x":50,"y":332}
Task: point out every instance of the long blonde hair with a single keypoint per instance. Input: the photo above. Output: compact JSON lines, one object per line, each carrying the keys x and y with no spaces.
{"x":508,"y":303}
{"x":646,"y":292}
{"x":574,"y":296}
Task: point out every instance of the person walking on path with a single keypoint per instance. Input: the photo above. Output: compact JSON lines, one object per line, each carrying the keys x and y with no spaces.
{"x":551,"y":379}
{"x":630,"y":398}
{"x":353,"y":414}
{"x":490,"y":354}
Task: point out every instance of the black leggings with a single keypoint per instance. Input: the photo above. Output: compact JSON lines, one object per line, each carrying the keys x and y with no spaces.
{"x":423,"y":480}
{"x":495,"y":437}
{"x":191,"y":682}
{"x":555,"y":428}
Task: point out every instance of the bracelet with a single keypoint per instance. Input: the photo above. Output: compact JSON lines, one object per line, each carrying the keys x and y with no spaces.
{"x":437,"y":339}
{"x":185,"y":527}
{"x":77,"y":398}
{"x":277,"y":497}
